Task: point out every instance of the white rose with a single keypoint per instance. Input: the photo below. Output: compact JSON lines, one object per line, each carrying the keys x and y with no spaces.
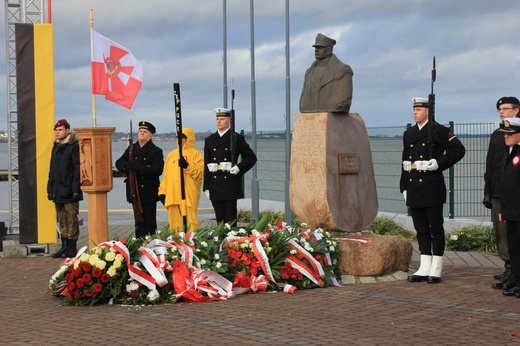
{"x":152,"y":295}
{"x":217,"y":256}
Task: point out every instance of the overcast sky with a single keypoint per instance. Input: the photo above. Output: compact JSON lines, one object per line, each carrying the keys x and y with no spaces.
{"x":388,"y":43}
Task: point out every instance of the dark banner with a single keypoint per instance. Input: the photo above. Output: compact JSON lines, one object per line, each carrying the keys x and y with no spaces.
{"x":35,"y":106}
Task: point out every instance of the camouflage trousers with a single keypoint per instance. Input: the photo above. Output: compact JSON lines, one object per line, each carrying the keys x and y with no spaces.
{"x":67,"y":214}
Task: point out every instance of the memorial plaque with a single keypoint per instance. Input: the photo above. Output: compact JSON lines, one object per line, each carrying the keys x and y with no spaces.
{"x":348,"y":164}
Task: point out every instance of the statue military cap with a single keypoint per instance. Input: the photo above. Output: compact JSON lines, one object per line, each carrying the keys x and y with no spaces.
{"x":222,"y":112}
{"x":508,"y":100}
{"x":510,"y":125}
{"x":420,"y":102}
{"x":145,"y":125}
{"x":324,"y":41}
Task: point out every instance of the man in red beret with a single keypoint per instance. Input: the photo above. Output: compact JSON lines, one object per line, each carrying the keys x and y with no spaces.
{"x":63,"y":186}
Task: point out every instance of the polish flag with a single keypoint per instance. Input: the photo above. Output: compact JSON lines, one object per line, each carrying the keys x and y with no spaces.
{"x":116,"y":73}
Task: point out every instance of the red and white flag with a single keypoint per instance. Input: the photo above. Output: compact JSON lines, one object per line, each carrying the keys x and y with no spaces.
{"x":116,"y":73}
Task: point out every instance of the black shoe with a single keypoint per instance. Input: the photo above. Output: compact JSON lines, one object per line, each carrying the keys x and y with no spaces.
{"x":512,"y":292}
{"x":61,"y":251}
{"x":517,"y":294}
{"x":498,"y":285}
{"x":434,"y":279}
{"x":498,"y":276}
{"x":512,"y":282}
{"x":417,"y":278}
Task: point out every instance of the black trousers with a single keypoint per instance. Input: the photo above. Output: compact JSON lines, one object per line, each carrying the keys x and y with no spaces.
{"x":513,"y":243}
{"x":225,"y":211}
{"x":428,"y":223}
{"x":149,"y":225}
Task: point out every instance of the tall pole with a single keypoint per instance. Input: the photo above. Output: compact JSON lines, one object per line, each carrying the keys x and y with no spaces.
{"x":224,"y":53}
{"x":255,"y":197}
{"x":288,"y":137}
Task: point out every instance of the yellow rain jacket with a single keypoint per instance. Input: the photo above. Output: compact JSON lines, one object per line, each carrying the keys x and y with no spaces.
{"x":171,"y":184}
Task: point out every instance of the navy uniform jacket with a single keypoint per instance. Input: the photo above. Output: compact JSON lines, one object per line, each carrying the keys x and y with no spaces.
{"x":427,"y":189}
{"x":511,"y":186}
{"x":150,"y":158}
{"x":224,"y":186}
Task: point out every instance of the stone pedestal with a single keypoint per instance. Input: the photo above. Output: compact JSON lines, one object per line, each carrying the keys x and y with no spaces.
{"x":96,"y":178}
{"x":332,"y":183}
{"x":379,"y":255}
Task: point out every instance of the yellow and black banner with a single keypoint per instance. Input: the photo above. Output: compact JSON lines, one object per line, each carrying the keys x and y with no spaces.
{"x":35,"y":99}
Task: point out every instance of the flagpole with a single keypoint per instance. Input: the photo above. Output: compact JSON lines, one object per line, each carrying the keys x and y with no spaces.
{"x":92,"y":59}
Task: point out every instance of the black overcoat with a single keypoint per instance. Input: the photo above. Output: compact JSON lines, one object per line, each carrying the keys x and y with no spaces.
{"x":510,"y":206}
{"x":427,"y":189}
{"x":151,"y":160}
{"x":224,"y":186}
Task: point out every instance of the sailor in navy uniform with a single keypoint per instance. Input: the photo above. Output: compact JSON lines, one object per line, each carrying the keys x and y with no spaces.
{"x":148,"y":163}
{"x":423,"y":187}
{"x":222,"y":179}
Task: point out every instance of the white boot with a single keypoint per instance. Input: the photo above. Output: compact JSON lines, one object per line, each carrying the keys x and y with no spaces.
{"x":436,"y":270}
{"x":424,"y":269}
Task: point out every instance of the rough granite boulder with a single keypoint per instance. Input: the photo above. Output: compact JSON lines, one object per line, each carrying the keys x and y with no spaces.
{"x":374,"y":255}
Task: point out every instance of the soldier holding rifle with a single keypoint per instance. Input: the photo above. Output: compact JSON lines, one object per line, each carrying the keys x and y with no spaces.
{"x":423,"y":187}
{"x":144,"y":159}
{"x":223,"y":173}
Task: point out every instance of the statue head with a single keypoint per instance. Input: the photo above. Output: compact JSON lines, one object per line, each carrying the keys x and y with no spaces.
{"x":323,"y":46}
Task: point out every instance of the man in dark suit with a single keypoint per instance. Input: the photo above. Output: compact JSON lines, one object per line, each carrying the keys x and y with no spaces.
{"x":510,"y":206}
{"x":148,"y":163}
{"x":223,"y":173}
{"x":423,"y":187}
{"x":507,"y":107}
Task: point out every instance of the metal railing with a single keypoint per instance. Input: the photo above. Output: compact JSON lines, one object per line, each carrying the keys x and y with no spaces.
{"x":465,"y":181}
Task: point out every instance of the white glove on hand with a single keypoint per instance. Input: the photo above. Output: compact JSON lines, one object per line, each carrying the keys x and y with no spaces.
{"x":421,"y":166}
{"x":212,"y":167}
{"x":207,"y":193}
{"x":407,"y":166}
{"x":234,"y":170}
{"x":404,"y":195}
{"x":432,"y":165}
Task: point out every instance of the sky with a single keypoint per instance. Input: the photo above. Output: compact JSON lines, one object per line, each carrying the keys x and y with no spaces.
{"x":389,"y":44}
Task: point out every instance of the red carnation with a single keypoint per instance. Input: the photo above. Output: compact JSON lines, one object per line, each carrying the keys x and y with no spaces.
{"x":105,"y":278}
{"x":98,"y":287}
{"x":80,"y":283}
{"x":89,"y":293}
{"x":87,"y":278}
{"x":134,"y":294}
{"x":71,"y":286}
{"x":76,"y":295}
{"x":96,"y":272}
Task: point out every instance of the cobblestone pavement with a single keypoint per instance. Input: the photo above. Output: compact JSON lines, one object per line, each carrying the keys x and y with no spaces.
{"x":461,"y":310}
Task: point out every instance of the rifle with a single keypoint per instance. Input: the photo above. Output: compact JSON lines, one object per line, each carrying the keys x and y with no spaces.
{"x":132,"y":182}
{"x":178,"y":121}
{"x":431,"y":113}
{"x":232,"y":130}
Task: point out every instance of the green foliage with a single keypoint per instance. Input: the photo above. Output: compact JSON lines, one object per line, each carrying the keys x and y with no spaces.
{"x":384,"y":226}
{"x":472,"y":238}
{"x":245,"y":216}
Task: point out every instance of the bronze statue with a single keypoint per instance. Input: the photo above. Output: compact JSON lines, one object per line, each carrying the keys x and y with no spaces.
{"x":328,"y":82}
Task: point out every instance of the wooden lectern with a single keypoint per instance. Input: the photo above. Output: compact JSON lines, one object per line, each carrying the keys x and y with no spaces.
{"x":96,"y":178}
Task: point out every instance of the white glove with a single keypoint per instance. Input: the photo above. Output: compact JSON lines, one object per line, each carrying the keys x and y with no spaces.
{"x":407,"y":166}
{"x":234,"y":170}
{"x":212,"y":167}
{"x":207,"y":193}
{"x":421,"y":166}
{"x":404,"y":195}
{"x":432,"y":165}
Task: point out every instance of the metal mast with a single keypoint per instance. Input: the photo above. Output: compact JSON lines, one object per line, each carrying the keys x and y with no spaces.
{"x":16,"y":11}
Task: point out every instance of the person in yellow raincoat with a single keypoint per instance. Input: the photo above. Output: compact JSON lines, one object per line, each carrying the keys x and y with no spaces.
{"x":192,"y":163}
